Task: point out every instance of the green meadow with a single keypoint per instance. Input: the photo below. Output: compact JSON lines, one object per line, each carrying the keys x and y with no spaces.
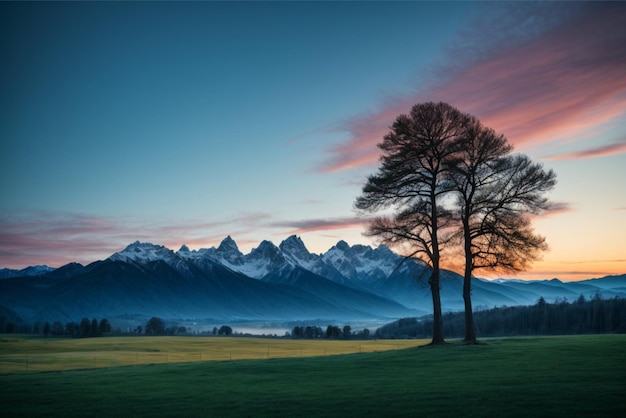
{"x":538,"y":376}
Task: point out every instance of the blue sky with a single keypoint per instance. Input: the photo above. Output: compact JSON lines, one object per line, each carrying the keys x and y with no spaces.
{"x":181,"y":123}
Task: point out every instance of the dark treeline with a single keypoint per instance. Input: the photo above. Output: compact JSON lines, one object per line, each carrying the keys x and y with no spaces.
{"x":332,"y":332}
{"x":562,"y":317}
{"x":85,"y":328}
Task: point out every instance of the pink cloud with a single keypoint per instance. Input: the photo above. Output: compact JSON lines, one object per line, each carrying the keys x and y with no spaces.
{"x":57,"y":238}
{"x":561,"y":83}
{"x":557,"y":208}
{"x":45,"y":237}
{"x":602,"y":151}
{"x":313,"y":225}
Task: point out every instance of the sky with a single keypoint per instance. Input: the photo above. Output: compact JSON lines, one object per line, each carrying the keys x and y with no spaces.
{"x":181,"y":123}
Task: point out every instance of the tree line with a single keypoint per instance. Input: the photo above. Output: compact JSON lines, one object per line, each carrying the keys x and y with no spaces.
{"x":559,"y":318}
{"x":84,"y":328}
{"x":331,"y":332}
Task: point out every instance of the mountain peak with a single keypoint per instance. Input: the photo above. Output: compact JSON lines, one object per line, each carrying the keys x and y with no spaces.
{"x":342,"y":245}
{"x":266,"y":247}
{"x":228,"y":245}
{"x":293,"y":245}
{"x":183,"y":249}
{"x":137,"y":247}
{"x":141,"y":251}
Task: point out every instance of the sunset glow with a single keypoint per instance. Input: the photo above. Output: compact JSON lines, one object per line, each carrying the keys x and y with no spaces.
{"x":190,"y":122}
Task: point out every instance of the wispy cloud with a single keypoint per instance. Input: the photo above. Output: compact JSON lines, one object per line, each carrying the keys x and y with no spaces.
{"x":56,"y":238}
{"x":565,"y":78}
{"x":557,"y":208}
{"x":314,"y":225}
{"x":601,"y":151}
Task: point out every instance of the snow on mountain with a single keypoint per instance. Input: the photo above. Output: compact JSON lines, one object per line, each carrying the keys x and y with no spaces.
{"x":361,"y":262}
{"x":256,"y":264}
{"x":376,"y":270}
{"x":296,"y":253}
{"x":38,"y":270}
{"x":266,"y":258}
{"x":344,"y":264}
{"x":229,"y":252}
{"x":262,"y":260}
{"x":274,"y":282}
{"x":143,"y":252}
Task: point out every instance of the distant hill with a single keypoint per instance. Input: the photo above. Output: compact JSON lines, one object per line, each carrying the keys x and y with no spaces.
{"x":284,"y":283}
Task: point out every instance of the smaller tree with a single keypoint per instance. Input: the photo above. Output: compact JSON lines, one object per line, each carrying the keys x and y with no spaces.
{"x":496,"y":193}
{"x":333,"y":331}
{"x":297,"y":332}
{"x":347,"y":332}
{"x":85,"y":327}
{"x":155,"y":326}
{"x":225,"y":330}
{"x":46,"y":329}
{"x":93,"y":329}
{"x":105,"y":326}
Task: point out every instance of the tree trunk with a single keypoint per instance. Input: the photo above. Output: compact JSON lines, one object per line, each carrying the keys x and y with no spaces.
{"x":437,"y":315}
{"x":470,"y":331}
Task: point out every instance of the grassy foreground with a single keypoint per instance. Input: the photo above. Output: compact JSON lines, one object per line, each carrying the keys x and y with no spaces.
{"x":552,"y":376}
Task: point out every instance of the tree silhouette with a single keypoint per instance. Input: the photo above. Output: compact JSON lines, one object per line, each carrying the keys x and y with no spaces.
{"x":411,"y":180}
{"x":85,"y":327}
{"x":496,"y":194}
{"x":104,"y":327}
{"x":225,"y":330}
{"x":155,"y":326}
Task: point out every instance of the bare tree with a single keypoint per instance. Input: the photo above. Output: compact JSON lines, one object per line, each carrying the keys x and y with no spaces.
{"x":497,"y":193}
{"x":412,"y":182}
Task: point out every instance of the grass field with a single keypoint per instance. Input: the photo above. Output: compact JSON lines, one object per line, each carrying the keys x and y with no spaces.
{"x":28,"y":354}
{"x":551,"y":376}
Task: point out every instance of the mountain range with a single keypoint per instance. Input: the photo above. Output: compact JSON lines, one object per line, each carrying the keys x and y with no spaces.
{"x":271,"y":283}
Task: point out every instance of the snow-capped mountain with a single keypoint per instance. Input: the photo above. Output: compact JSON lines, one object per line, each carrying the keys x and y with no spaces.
{"x":144,"y":252}
{"x":361,"y":263}
{"x":284,"y":282}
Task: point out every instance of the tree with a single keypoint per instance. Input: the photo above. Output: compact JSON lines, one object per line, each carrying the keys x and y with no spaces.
{"x":46,"y":329}
{"x":496,"y":194}
{"x":85,"y":327}
{"x":71,"y":328}
{"x":225,"y":330}
{"x":333,"y":331}
{"x":297,"y":332}
{"x":155,"y":326}
{"x":412,"y":181}
{"x":93,"y":330}
{"x":347,"y":332}
{"x":104,"y":327}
